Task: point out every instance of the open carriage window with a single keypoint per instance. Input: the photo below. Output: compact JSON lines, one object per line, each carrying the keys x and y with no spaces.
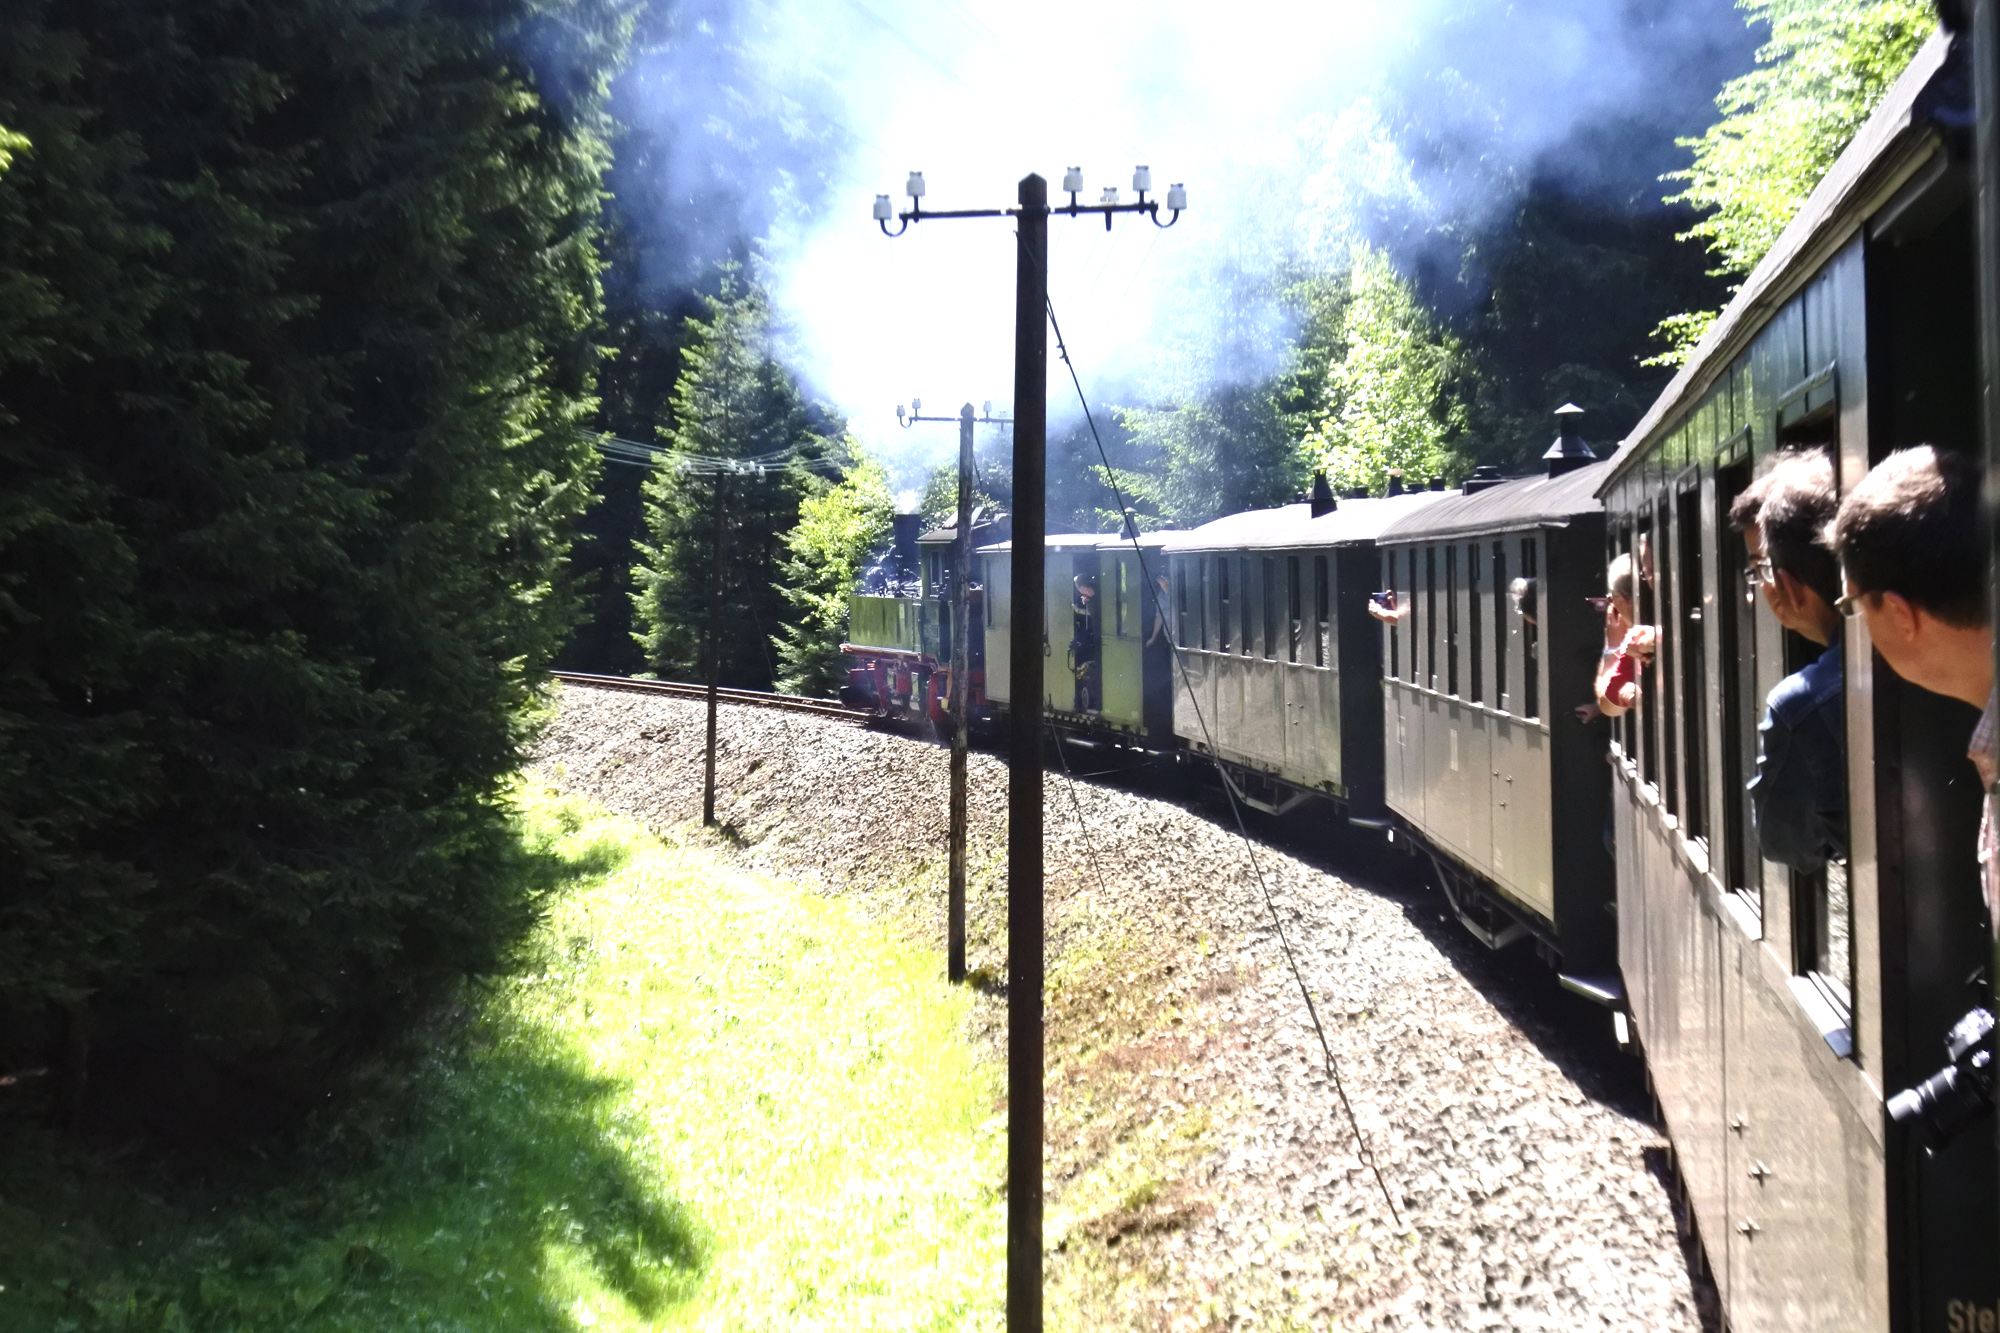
{"x":1323,"y":619}
{"x":1430,"y":617}
{"x":1247,"y":627}
{"x":1500,"y":624}
{"x":1270,"y":600}
{"x":1692,"y":663}
{"x":1531,"y":639}
{"x":1648,"y":614}
{"x":1451,"y":619}
{"x":1222,"y":603}
{"x":1292,"y":593}
{"x":1734,"y":629}
{"x":1475,"y":641}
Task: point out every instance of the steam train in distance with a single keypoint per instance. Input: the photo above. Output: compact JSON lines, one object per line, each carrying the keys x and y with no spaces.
{"x":1776,"y":1012}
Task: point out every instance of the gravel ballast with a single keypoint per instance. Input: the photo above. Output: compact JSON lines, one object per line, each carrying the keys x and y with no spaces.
{"x":1201,"y":1173}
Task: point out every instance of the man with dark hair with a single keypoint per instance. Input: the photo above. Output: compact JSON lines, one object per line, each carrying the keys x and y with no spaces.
{"x":1799,"y":796}
{"x":1912,"y":546}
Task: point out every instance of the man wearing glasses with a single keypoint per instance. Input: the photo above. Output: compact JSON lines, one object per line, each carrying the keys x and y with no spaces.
{"x":1799,"y":796}
{"x":1912,"y":548}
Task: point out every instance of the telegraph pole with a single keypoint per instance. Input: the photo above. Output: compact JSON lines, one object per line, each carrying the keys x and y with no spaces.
{"x":961,"y":699}
{"x":714,"y":660}
{"x":1024,"y":764}
{"x":1024,"y":733}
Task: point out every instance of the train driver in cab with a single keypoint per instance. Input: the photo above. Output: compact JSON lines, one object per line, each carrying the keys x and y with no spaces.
{"x":1913,"y":552}
{"x":1799,"y":796}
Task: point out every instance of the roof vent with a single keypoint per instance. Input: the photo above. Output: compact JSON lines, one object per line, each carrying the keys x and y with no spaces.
{"x":1483,"y":476}
{"x":1357,"y":492}
{"x":1395,"y":481}
{"x":1569,"y":452}
{"x":1322,"y":496}
{"x":1437,"y":483}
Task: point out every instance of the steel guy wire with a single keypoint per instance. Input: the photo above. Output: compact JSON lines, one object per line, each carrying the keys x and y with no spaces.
{"x":1131,"y":534}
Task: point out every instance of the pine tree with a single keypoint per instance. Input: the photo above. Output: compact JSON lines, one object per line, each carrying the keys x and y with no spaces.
{"x":734,"y":400}
{"x":295,"y":313}
{"x":838,"y":528}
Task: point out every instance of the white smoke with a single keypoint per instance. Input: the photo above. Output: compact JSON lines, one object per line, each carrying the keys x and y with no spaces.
{"x":1296,"y":128}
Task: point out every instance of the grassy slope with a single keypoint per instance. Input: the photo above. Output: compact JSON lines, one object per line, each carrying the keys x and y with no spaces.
{"x":714,"y":1101}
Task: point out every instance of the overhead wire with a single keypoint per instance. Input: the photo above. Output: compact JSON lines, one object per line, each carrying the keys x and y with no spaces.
{"x":1131,"y":534}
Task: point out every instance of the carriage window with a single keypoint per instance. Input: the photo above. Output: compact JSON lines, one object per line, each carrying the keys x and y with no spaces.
{"x":1247,"y":628}
{"x":1500,"y":624}
{"x":1648,"y":717}
{"x":1180,"y":603}
{"x":1475,"y":641}
{"x":1222,"y":603}
{"x":1735,"y":631}
{"x":1693,"y":661}
{"x":1451,"y":619}
{"x":1270,"y":599}
{"x":1430,"y":616}
{"x":1123,"y":591}
{"x":1292,"y":589}
{"x":1531,"y":642}
{"x":1666,"y":659}
{"x":1389,"y":566}
{"x":1323,"y":622}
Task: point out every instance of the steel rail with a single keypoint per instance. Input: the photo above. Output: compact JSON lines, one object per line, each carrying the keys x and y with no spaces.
{"x":680,"y":689}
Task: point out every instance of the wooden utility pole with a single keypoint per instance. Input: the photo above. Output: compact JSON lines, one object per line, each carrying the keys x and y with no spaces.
{"x":714,"y":657}
{"x":1024,"y":766}
{"x":1028,"y":644}
{"x":961,"y":698}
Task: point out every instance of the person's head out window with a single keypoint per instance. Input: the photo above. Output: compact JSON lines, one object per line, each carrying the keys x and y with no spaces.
{"x":1783,"y":517}
{"x":1524,"y":593}
{"x":1913,"y":549}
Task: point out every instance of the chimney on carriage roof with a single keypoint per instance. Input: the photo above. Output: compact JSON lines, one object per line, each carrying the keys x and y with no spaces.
{"x":1322,"y":496}
{"x":1482,"y":477}
{"x":1569,"y":452}
{"x":1395,"y":481}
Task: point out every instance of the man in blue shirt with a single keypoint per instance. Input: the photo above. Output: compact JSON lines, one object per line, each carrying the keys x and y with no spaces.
{"x":1799,"y":796}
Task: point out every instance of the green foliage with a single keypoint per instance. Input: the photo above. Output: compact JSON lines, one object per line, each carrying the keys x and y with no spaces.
{"x":1225,"y":450}
{"x":1573,"y":287}
{"x":1681,"y":334}
{"x":10,"y":144}
{"x":837,"y":530}
{"x":295,"y":316}
{"x":1387,"y":401}
{"x":1823,"y":70}
{"x":734,"y":400}
{"x":673,"y":1119}
{"x":1225,"y":438}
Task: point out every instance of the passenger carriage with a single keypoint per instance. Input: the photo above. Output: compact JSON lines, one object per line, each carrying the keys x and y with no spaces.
{"x":1281,"y":658}
{"x":1777,"y":1010}
{"x":1487,"y":761}
{"x":1101,"y":679}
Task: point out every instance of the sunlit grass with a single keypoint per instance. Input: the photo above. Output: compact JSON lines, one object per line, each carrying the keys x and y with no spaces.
{"x":714,"y":1101}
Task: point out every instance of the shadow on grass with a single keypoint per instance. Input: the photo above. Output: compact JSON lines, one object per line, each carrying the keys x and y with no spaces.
{"x":504,"y":1196}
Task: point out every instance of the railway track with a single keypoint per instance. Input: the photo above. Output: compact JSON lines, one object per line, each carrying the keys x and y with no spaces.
{"x":756,"y":698}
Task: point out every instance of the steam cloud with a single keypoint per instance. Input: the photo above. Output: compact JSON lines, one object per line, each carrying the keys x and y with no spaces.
{"x":1297,"y":128}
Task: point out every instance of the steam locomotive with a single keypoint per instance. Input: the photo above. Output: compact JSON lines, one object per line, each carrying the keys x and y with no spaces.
{"x":1776,"y":1012}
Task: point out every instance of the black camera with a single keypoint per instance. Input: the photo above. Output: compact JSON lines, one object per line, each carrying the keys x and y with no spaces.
{"x":1940,"y":1107}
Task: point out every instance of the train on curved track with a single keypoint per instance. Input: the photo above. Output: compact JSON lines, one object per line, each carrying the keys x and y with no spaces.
{"x":1776,"y":1012}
